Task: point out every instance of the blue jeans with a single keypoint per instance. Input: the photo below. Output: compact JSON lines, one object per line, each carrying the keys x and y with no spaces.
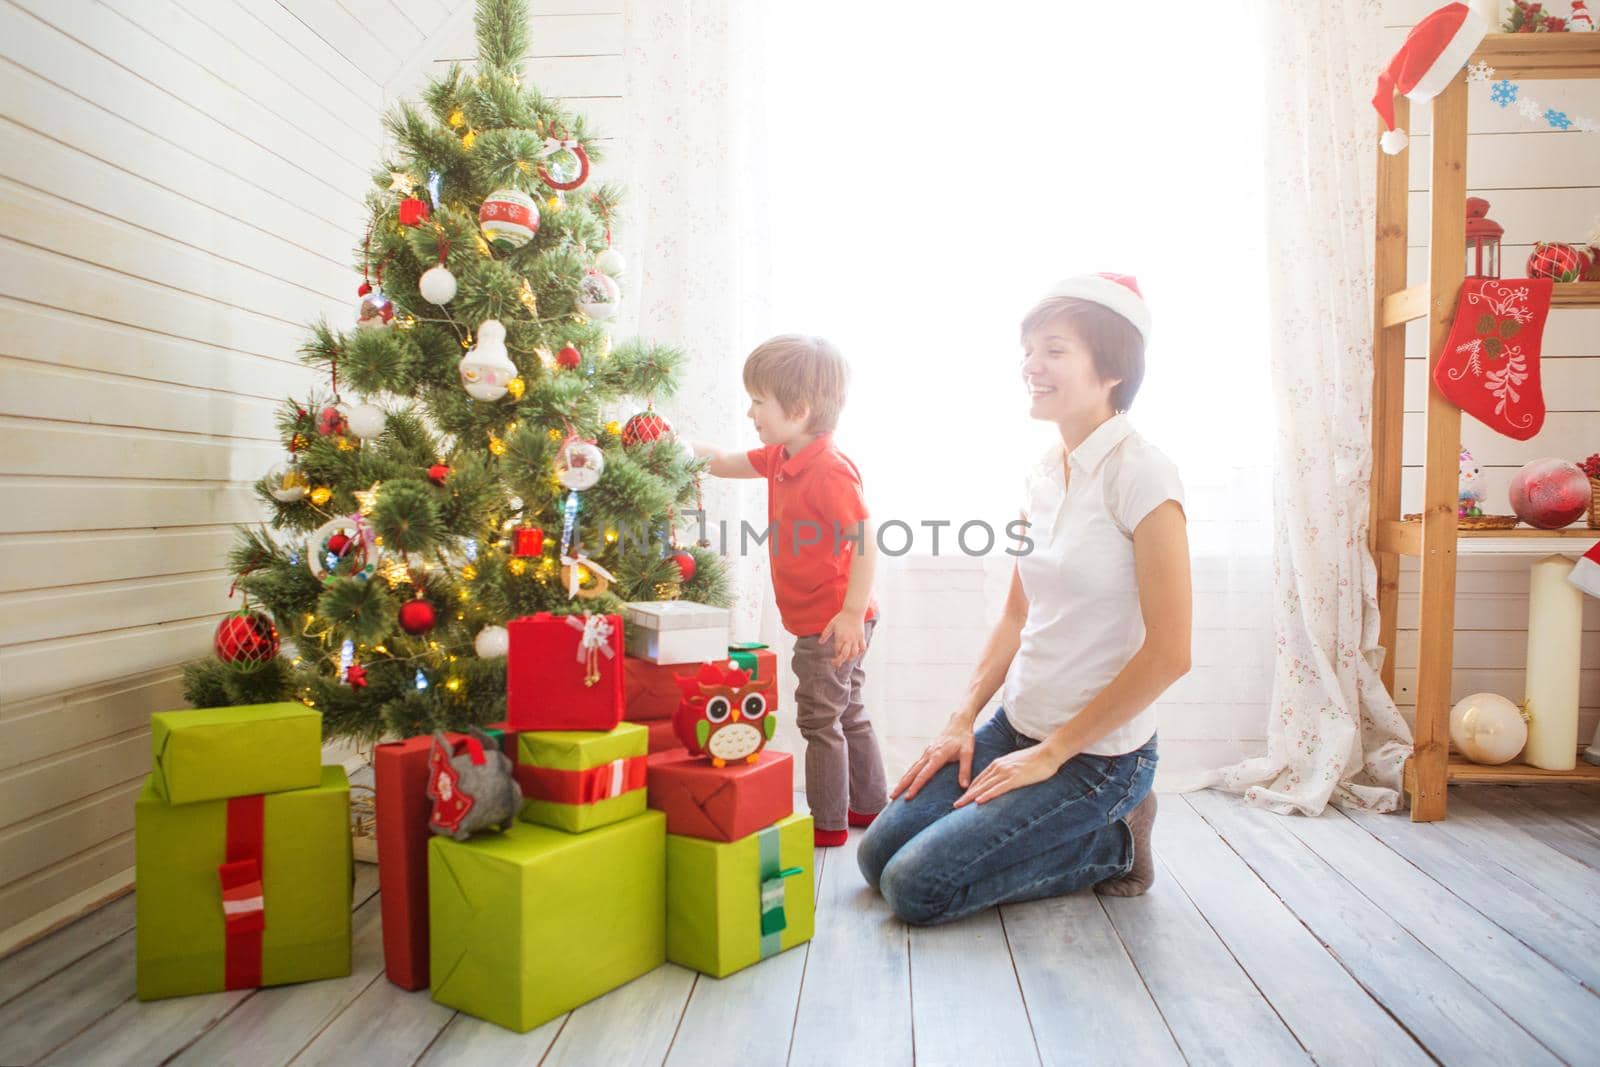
{"x":935,"y":864}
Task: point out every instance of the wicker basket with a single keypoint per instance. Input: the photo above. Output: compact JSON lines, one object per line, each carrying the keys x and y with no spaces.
{"x":363,"y":824}
{"x":1594,"y":503}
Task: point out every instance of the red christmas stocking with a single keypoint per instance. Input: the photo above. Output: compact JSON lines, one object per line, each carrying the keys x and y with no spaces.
{"x":1490,"y":364}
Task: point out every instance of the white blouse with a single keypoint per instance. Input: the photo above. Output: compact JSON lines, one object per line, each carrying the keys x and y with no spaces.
{"x":1084,"y":623}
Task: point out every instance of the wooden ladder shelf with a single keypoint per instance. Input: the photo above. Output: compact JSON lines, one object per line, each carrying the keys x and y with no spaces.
{"x":1434,"y":537}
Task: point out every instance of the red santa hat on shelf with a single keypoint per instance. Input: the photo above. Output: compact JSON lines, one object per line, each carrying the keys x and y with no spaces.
{"x":1435,"y":50}
{"x":1116,"y":292}
{"x":1586,"y":575}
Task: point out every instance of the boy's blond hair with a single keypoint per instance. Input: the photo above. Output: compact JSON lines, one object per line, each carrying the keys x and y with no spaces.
{"x":800,"y":371}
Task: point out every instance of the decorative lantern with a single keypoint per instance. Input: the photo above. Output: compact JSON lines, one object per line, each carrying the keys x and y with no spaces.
{"x":1483,"y":240}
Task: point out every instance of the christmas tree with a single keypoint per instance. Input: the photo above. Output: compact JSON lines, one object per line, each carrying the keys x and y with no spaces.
{"x":465,"y":464}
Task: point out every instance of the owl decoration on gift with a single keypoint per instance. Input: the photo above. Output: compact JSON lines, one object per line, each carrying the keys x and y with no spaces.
{"x":724,"y":714}
{"x":472,"y":790}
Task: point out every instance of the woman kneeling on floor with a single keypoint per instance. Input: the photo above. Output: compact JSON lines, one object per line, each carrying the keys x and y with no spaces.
{"x":1052,"y":794}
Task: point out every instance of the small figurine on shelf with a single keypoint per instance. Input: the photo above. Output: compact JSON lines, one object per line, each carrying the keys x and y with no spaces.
{"x":1471,"y":488}
{"x":1580,"y":21}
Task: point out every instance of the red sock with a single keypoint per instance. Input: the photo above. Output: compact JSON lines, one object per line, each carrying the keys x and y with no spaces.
{"x":829,"y":838}
{"x":855,"y":818}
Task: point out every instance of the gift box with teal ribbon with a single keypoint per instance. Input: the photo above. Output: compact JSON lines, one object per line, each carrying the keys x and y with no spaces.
{"x":734,"y":903}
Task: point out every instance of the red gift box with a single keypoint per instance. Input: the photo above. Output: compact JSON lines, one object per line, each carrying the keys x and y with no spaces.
{"x":721,"y":804}
{"x":651,"y":689}
{"x":564,"y":672}
{"x":400,"y":775}
{"x":663,"y":738}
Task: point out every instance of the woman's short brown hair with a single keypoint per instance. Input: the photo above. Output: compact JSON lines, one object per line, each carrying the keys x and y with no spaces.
{"x":1114,"y":343}
{"x":800,"y":371}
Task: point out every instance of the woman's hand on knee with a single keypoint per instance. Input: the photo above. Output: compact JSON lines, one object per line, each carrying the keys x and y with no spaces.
{"x":1011,"y":771}
{"x":954,"y":745}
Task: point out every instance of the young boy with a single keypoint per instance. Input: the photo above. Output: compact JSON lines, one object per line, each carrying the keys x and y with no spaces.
{"x":823,"y":552}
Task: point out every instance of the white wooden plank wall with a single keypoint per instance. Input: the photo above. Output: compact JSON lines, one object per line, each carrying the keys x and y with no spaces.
{"x":180,"y":183}
{"x":1541,"y":185}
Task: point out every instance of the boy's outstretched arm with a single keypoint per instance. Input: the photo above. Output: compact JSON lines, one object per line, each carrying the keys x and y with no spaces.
{"x":726,"y":464}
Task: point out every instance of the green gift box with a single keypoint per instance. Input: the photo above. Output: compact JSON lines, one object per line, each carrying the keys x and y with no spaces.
{"x":211,"y":753}
{"x":576,"y":780}
{"x":734,"y":903}
{"x":528,"y":924}
{"x":288,"y":920}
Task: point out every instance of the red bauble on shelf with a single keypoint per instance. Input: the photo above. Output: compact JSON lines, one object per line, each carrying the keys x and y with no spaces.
{"x":417,"y":617}
{"x":686,"y":566}
{"x":246,"y":641}
{"x":1550,"y":493}
{"x":1556,"y":261}
{"x":645,"y":427}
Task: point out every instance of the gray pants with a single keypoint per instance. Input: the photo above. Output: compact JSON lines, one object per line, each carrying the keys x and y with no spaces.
{"x":843,"y":766}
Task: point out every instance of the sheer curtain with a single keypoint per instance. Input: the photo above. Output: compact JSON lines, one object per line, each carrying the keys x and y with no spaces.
{"x":930,"y":175}
{"x":1335,"y":734}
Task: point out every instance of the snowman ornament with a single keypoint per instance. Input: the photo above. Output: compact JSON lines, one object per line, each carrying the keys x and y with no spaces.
{"x":486,"y":370}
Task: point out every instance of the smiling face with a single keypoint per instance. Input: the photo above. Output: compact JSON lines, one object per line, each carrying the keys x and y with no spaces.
{"x":1059,"y":373}
{"x":774,"y":425}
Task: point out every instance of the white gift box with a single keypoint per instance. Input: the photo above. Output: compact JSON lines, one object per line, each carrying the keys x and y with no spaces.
{"x":675,"y":631}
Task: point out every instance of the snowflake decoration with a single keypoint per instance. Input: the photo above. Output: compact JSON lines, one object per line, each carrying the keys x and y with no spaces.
{"x":1503,"y":93}
{"x":1479,"y":72}
{"x":1531,"y":108}
{"x":1558,"y":119}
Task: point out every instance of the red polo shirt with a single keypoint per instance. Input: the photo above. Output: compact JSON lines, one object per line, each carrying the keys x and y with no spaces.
{"x":814,"y":502}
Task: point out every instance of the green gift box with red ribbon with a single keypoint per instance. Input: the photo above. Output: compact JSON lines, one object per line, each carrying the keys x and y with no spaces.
{"x":214,"y":753}
{"x":734,"y":903}
{"x":242,"y":892}
{"x":531,"y":923}
{"x":577,"y":780}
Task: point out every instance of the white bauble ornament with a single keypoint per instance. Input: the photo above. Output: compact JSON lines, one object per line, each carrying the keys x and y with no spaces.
{"x":365,"y":420}
{"x":579,"y":465}
{"x":486,"y":371}
{"x":437,"y":285}
{"x":598,"y":296}
{"x":612,"y":262}
{"x":1488,"y":728}
{"x":286,"y":483}
{"x":492,"y":641}
{"x":509,"y":218}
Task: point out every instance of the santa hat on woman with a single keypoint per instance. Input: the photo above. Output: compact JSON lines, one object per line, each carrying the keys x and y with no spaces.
{"x":1115,"y":292}
{"x":1435,"y":51}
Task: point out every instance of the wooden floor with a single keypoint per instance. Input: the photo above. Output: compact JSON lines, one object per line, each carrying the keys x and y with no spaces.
{"x":1266,"y":940}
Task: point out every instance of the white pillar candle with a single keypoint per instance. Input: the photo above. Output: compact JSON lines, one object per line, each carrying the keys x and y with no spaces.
{"x":1492,"y":11}
{"x":1555,"y":638}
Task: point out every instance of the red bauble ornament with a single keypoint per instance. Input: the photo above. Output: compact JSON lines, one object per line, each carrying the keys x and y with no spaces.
{"x":246,"y":641}
{"x":1556,"y":261}
{"x":645,"y":427}
{"x":330,"y":421}
{"x":1550,"y":493}
{"x":413,"y":212}
{"x":686,"y":566}
{"x":527,"y":541}
{"x":569,"y":357}
{"x":417,"y":617}
{"x":338,"y":543}
{"x":438,"y":473}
